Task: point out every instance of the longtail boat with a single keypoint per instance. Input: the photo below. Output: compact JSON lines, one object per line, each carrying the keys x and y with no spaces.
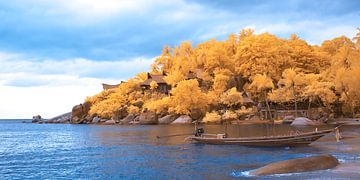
{"x":297,"y":139}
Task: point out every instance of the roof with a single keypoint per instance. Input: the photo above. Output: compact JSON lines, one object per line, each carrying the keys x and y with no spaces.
{"x":195,"y":74}
{"x":109,"y":86}
{"x":152,"y":77}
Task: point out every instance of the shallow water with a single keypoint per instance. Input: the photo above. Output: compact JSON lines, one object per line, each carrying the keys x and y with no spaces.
{"x":64,"y":151}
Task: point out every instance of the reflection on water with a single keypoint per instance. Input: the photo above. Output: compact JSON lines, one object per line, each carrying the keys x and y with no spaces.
{"x":52,"y":151}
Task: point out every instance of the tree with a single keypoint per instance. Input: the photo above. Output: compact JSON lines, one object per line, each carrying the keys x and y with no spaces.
{"x":158,"y":105}
{"x":347,"y":83}
{"x":256,"y":53}
{"x":153,"y":85}
{"x":319,"y":88}
{"x":187,"y":97}
{"x":163,"y":63}
{"x":333,"y":46}
{"x":220,"y":83}
{"x":174,"y":77}
{"x":254,"y":62}
{"x":260,"y":86}
{"x":231,"y":97}
{"x":212,"y":117}
{"x":290,"y":88}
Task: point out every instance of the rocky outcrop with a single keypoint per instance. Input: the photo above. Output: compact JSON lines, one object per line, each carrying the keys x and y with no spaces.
{"x":64,"y":118}
{"x":147,"y":118}
{"x":119,"y":114}
{"x":95,"y":120}
{"x":184,"y":119}
{"x":36,"y":119}
{"x":168,"y":119}
{"x":303,"y":121}
{"x":128,"y":119}
{"x":306,"y":164}
{"x":109,"y":122}
{"x":79,"y":113}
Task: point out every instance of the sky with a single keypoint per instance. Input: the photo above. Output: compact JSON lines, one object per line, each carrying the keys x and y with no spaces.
{"x":55,"y":53}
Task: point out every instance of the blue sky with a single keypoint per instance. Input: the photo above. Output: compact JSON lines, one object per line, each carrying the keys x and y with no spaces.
{"x":61,"y":50}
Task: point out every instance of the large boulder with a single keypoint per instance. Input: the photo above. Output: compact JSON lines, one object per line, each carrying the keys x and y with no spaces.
{"x":95,"y":120}
{"x":168,"y":119}
{"x":184,"y":119}
{"x":303,"y":121}
{"x":297,"y":165}
{"x":79,"y":113}
{"x":288,"y":119}
{"x":148,"y":117}
{"x":119,"y":114}
{"x":128,"y":119}
{"x":109,"y":122}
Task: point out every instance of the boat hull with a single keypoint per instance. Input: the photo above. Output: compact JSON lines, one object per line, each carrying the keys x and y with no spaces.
{"x":294,"y":140}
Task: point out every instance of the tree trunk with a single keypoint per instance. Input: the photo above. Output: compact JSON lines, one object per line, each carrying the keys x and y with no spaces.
{"x":309,"y":108}
{"x":352,"y":110}
{"x":268,"y":107}
{"x":295,"y":102}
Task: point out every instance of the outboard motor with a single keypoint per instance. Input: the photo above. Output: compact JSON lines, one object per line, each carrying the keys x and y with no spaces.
{"x":199,"y":131}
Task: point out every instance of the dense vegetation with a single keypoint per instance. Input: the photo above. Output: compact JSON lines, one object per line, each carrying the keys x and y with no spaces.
{"x":268,"y":68}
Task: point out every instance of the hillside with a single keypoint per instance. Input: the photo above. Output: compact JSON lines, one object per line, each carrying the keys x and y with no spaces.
{"x":240,"y":76}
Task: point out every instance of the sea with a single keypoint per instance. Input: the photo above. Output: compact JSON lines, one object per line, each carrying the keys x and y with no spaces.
{"x":67,"y":151}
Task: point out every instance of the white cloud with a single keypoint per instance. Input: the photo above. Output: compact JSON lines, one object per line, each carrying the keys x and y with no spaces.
{"x":314,"y":32}
{"x":24,"y":102}
{"x":15,"y":65}
{"x":85,"y":11}
{"x":48,"y":87}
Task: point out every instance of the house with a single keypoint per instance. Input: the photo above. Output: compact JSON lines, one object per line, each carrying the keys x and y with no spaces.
{"x":163,"y":87}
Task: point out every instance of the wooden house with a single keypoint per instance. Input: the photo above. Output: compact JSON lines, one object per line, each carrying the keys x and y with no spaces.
{"x":163,"y":87}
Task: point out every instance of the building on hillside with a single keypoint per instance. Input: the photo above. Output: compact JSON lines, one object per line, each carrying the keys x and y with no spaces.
{"x":163,"y":87}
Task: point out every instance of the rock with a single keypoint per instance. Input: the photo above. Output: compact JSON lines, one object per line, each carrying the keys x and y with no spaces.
{"x":119,"y":114}
{"x":297,"y":165}
{"x":102,"y":120}
{"x":288,"y":119}
{"x":63,"y":121}
{"x":89,"y":119}
{"x":136,"y":119}
{"x":138,"y":104}
{"x":128,"y":119}
{"x":63,"y":118}
{"x":50,"y":121}
{"x":254,"y":118}
{"x":36,"y":119}
{"x":109,"y":122}
{"x":96,"y":120}
{"x":79,"y":113}
{"x":148,"y":117}
{"x":168,"y":119}
{"x":303,"y":121}
{"x":184,"y":119}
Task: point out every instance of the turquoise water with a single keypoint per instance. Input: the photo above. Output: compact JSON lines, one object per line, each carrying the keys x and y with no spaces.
{"x":64,"y":151}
